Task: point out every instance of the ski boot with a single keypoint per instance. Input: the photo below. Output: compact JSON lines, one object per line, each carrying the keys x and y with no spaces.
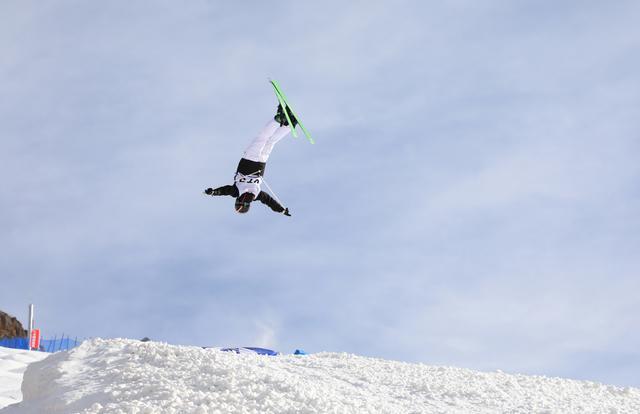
{"x":281,"y":118}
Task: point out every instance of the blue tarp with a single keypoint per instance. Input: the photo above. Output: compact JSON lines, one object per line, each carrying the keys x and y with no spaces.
{"x":251,"y":350}
{"x":259,"y":351}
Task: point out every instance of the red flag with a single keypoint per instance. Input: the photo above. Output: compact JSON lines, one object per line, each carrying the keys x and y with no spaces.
{"x":34,"y":342}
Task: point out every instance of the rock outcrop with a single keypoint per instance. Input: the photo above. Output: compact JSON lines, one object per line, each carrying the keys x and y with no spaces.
{"x":10,"y":327}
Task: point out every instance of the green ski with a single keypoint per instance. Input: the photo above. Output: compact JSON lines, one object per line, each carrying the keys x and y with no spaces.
{"x":283,"y":104}
{"x":283,"y":101}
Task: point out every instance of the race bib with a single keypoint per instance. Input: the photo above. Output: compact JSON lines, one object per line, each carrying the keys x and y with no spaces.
{"x":248,"y":183}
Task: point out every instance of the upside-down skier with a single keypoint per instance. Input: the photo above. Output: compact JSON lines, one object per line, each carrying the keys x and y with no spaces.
{"x":248,"y":177}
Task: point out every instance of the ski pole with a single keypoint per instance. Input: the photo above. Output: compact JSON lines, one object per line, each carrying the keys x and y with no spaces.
{"x":272,"y":192}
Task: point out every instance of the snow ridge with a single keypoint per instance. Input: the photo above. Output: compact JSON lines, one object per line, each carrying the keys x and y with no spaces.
{"x":126,"y":376}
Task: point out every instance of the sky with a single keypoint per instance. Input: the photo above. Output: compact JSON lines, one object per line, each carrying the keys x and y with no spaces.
{"x":471,"y":199}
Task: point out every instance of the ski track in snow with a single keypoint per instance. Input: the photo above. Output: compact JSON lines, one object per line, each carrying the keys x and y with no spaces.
{"x":132,"y":377}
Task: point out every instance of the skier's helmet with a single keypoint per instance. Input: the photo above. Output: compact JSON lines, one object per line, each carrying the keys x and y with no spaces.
{"x":243,"y":202}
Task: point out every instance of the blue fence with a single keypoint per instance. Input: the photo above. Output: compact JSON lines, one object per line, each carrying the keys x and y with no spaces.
{"x":46,"y":345}
{"x":15,"y":343}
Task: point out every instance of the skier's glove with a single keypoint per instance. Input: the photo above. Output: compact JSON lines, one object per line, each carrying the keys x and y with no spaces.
{"x":286,"y":212}
{"x":212,"y":192}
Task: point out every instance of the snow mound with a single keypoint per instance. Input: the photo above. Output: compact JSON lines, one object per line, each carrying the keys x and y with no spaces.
{"x":13,"y":363}
{"x":125,"y":376}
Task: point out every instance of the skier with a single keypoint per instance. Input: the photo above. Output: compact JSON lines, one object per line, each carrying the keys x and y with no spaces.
{"x":246,"y":186}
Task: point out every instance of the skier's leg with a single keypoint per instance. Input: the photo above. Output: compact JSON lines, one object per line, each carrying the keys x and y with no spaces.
{"x":279,"y":133}
{"x":256,"y":146}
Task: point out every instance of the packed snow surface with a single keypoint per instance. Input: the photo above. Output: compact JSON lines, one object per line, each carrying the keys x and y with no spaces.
{"x":13,"y":363}
{"x":125,"y":376}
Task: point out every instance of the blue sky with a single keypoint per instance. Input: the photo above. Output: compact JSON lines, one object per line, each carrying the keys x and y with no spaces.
{"x":471,"y":200}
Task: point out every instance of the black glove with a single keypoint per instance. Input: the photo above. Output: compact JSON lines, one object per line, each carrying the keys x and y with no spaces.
{"x":286,"y":212}
{"x":212,"y":192}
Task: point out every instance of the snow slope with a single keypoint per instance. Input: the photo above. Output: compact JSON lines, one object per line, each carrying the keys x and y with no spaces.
{"x":13,"y":363}
{"x":125,"y":376}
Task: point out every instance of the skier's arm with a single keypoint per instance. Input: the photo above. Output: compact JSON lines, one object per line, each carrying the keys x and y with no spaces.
{"x":222,"y":191}
{"x":265,"y":198}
